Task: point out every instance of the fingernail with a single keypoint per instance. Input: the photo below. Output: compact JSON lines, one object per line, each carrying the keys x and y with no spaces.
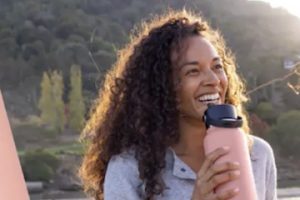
{"x":236,"y":163}
{"x":226,"y":148}
{"x":236,"y":173}
{"x":236,"y":190}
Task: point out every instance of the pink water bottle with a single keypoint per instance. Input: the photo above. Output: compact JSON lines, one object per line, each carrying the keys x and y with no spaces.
{"x":224,"y":129}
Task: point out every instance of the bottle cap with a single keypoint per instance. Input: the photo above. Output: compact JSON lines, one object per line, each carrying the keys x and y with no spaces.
{"x":222,"y":115}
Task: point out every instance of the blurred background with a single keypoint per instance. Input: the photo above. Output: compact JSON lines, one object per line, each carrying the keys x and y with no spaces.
{"x":54,"y":54}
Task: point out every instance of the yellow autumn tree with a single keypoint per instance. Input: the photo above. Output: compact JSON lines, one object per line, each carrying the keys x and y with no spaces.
{"x":45,"y":104}
{"x":57,"y":100}
{"x":76,"y":101}
{"x":51,"y":104}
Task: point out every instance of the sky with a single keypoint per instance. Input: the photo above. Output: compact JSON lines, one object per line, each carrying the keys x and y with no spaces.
{"x":293,"y":6}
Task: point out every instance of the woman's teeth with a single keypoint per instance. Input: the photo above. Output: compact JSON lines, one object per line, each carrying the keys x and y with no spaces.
{"x":209,"y":98}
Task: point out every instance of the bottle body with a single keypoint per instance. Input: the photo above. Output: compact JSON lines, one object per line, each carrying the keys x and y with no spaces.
{"x":236,"y":140}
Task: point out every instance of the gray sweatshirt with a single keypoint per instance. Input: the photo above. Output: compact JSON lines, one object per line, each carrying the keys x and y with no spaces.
{"x":122,"y":180}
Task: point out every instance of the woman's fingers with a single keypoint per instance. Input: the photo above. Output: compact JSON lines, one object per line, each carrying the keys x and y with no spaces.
{"x":212,"y":175}
{"x":225,"y":195}
{"x":218,"y":168}
{"x":221,"y":179}
{"x":211,"y":158}
{"x":202,"y":181}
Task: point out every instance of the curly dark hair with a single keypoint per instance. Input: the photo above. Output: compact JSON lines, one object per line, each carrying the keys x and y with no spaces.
{"x":136,"y":107}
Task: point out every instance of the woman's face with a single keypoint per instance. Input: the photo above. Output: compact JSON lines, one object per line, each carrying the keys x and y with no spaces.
{"x":201,"y":78}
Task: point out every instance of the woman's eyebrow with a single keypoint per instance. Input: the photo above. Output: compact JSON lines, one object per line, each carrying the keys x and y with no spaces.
{"x":189,"y":63}
{"x":197,"y":63}
{"x":216,"y":59}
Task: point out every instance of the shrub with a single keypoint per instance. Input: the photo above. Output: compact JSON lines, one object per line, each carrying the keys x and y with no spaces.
{"x":266,"y":112}
{"x":39,"y":165}
{"x":286,"y":133}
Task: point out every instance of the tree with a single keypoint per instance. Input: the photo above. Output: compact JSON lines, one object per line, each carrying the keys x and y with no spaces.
{"x":39,"y":165}
{"x":76,"y":102}
{"x":266,"y":112}
{"x":57,"y":91}
{"x":51,"y":102}
{"x":46,"y":105}
{"x":286,"y":132}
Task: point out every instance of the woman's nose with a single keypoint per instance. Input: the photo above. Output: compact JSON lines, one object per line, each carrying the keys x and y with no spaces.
{"x":211,"y":78}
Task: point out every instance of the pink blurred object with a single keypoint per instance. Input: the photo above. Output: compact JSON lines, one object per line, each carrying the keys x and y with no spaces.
{"x":224,"y":130}
{"x":12,"y":183}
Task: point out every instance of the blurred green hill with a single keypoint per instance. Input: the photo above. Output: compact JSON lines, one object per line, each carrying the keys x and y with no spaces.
{"x":36,"y":36}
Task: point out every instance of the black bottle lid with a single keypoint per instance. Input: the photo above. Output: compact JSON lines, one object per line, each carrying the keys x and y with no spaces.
{"x":222,"y":115}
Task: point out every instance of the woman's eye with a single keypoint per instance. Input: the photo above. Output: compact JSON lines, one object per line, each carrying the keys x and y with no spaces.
{"x":192,"y":72}
{"x":219,"y":67}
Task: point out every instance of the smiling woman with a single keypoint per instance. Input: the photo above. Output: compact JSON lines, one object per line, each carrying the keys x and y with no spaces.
{"x":202,"y":78}
{"x":146,"y":131}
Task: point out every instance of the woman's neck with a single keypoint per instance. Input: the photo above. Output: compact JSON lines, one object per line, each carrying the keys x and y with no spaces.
{"x":192,"y":133}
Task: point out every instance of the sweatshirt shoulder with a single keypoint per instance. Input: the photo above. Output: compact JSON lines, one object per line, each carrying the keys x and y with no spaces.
{"x":261,"y":149}
{"x":125,"y":161}
{"x":122,"y":178}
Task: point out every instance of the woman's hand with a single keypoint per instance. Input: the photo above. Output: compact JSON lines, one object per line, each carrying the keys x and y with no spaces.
{"x":212,"y":175}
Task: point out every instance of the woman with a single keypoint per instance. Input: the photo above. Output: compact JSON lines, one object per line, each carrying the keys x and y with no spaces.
{"x":146,"y":131}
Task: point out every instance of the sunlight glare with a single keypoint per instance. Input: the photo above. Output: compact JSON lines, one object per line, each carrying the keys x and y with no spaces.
{"x":293,"y":6}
